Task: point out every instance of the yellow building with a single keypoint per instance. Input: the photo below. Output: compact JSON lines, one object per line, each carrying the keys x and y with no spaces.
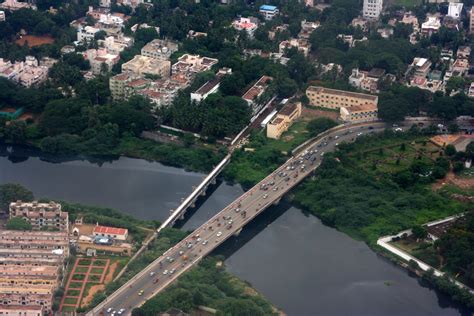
{"x":359,"y":113}
{"x":335,"y":99}
{"x":283,"y":120}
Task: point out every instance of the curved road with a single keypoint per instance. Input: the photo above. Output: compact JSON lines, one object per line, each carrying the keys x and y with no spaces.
{"x":175,"y":261}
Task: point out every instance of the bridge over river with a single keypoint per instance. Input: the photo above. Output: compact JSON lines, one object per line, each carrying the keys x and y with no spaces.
{"x":230,"y":221}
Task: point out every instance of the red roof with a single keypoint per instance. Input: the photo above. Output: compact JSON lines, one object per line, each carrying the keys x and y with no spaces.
{"x":110,"y":230}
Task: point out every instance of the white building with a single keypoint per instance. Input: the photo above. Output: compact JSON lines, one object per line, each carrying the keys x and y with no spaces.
{"x":431,"y":25}
{"x":210,"y":86}
{"x":246,"y":24}
{"x":455,"y":10}
{"x":372,"y":9}
{"x":99,"y":57}
{"x":268,"y":11}
{"x":86,"y":34}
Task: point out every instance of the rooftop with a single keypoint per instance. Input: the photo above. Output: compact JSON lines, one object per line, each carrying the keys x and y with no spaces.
{"x":267,"y":7}
{"x":110,"y":230}
{"x":343,"y":93}
{"x":288,"y":109}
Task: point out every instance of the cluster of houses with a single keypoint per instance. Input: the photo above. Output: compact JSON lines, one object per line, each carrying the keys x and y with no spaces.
{"x":27,"y":73}
{"x":151,"y":73}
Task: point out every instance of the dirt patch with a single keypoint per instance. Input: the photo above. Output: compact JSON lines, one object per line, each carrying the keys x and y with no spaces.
{"x":310,"y":114}
{"x":110,"y":275}
{"x":94,"y":289}
{"x":451,"y":178}
{"x":34,"y":40}
{"x":100,"y":287}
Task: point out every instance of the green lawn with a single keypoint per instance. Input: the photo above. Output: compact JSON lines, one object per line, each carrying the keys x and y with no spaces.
{"x":263,"y":155}
{"x":85,"y":262}
{"x":78,"y":277}
{"x":93,"y":278}
{"x":70,"y":300}
{"x":97,"y":270}
{"x":81,"y":269}
{"x":69,"y":309}
{"x":75,"y":285}
{"x":73,"y":292}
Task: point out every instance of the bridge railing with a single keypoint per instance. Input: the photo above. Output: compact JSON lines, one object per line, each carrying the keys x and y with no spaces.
{"x":176,"y":213}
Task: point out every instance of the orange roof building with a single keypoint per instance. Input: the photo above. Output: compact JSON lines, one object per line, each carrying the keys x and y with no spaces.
{"x":111,"y":232}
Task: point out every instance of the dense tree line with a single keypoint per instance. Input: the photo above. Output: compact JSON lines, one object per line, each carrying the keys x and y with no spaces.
{"x":369,"y":203}
{"x":207,"y":285}
{"x":457,"y":248}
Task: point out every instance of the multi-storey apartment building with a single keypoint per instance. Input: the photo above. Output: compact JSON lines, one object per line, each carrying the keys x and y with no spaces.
{"x":142,"y":66}
{"x":31,"y":264}
{"x":41,"y":215}
{"x":161,"y":49}
{"x":372,"y":9}
{"x":335,"y":99}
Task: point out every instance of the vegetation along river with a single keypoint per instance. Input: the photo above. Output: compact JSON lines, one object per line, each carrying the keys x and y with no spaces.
{"x":301,"y":265}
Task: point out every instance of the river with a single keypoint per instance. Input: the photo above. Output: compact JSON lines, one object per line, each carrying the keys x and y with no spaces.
{"x":299,"y":264}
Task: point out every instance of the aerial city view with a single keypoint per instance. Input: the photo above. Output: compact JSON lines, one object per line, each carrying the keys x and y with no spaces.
{"x":237,"y":158}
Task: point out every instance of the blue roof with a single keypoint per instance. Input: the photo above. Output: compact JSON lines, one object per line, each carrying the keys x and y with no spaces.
{"x":267,"y":7}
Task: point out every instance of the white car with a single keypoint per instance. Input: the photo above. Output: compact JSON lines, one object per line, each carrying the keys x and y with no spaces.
{"x":152,"y":273}
{"x":110,"y":309}
{"x":265,"y":196}
{"x":120,"y":312}
{"x":204,"y":242}
{"x":219,"y":234}
{"x":165,"y":272}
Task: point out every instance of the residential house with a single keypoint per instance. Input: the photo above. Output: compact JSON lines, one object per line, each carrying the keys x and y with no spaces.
{"x":250,"y":25}
{"x":161,"y":49}
{"x":431,"y":25}
{"x":302,"y":45}
{"x":100,"y":59}
{"x":268,"y":11}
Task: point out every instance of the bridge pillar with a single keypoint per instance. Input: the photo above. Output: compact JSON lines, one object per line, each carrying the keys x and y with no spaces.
{"x":203,"y":192}
{"x":213,"y":181}
{"x":237,"y":233}
{"x":171,"y":211}
{"x":277,"y":201}
{"x":181,"y":216}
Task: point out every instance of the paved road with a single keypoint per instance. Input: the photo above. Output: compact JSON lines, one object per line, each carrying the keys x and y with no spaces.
{"x":226,"y":223}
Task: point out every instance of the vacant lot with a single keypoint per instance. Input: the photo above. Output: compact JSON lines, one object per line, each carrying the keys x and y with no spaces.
{"x":33,"y":40}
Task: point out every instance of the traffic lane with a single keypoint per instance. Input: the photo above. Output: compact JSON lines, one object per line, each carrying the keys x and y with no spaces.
{"x":146,"y":283}
{"x":251,"y":200}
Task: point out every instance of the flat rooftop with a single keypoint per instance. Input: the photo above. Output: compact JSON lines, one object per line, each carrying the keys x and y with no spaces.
{"x":342,"y":93}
